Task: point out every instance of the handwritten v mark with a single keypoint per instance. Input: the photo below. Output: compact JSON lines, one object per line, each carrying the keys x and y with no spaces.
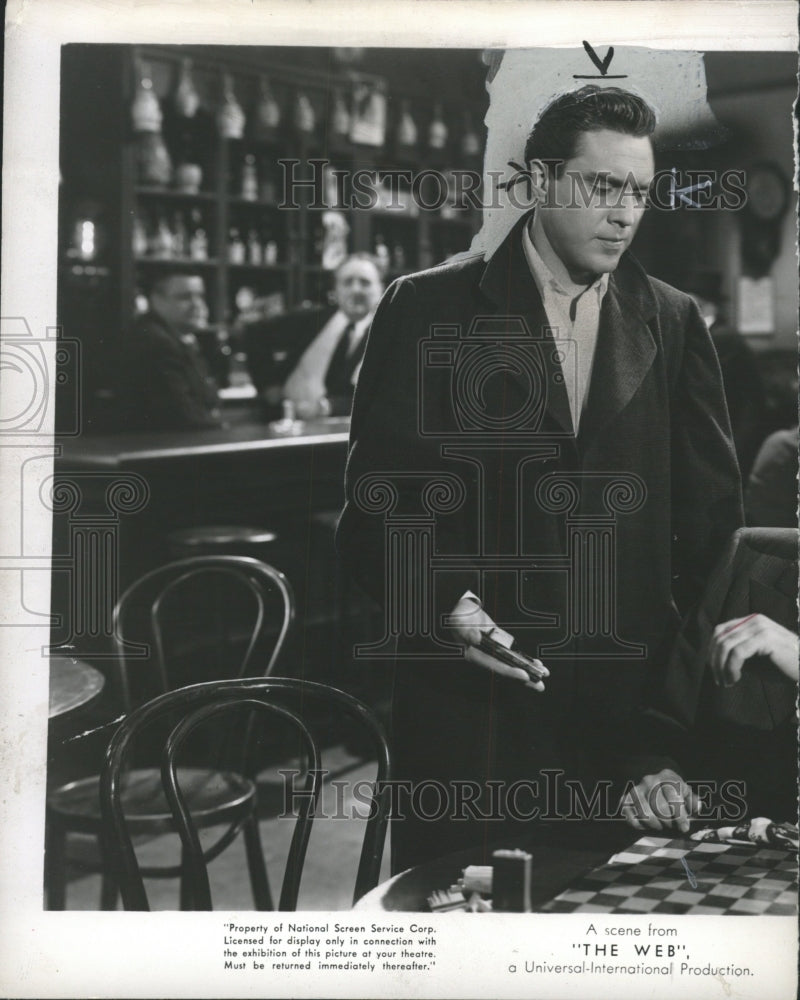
{"x":601,"y":64}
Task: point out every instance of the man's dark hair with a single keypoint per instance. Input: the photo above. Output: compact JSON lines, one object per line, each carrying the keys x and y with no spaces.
{"x":159,"y":281}
{"x":554,"y":137}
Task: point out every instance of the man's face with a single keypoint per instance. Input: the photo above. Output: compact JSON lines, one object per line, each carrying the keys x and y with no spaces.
{"x":595,"y":205}
{"x":358,"y":289}
{"x":181,"y":302}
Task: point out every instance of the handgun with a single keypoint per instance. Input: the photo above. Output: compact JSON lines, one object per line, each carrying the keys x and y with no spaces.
{"x":509,"y":656}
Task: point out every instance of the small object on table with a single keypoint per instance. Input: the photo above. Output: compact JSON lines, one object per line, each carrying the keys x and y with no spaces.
{"x":477,"y":878}
{"x":754,"y":831}
{"x":288,"y":425}
{"x":446,"y":900}
{"x":511,"y":881}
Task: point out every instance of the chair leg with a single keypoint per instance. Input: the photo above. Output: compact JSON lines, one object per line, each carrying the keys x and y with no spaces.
{"x":109,"y":887}
{"x":55,"y":865}
{"x":259,"y":879}
{"x":186,"y":893}
{"x":109,"y":892}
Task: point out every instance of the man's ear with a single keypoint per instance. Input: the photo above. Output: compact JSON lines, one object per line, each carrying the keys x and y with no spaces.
{"x":539,"y":180}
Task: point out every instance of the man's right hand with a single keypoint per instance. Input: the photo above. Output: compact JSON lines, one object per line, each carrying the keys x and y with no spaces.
{"x":466,"y":623}
{"x":660,"y":801}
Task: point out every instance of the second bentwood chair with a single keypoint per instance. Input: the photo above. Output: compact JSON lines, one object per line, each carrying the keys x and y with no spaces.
{"x":221,"y":794}
{"x":262,"y":702}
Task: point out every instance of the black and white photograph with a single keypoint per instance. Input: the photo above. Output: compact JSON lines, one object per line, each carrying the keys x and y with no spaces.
{"x":399,"y":469}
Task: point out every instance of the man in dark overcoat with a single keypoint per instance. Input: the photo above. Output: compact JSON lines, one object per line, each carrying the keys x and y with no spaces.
{"x":539,"y":445}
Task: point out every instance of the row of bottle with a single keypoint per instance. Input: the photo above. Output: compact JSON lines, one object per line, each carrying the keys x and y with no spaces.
{"x":358,"y":116}
{"x":177,"y":236}
{"x":259,"y":249}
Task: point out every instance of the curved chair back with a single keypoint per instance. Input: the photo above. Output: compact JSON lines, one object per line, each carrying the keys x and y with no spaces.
{"x":264,"y":699}
{"x":153,"y":591}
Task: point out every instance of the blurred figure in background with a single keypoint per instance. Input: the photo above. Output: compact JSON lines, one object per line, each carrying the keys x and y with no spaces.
{"x":165,"y":381}
{"x":323,"y":382}
{"x":744,"y":392}
{"x":770,"y":499}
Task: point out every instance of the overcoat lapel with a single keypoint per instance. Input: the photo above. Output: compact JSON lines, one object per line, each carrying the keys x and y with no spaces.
{"x":624,"y":355}
{"x":625,"y":349}
{"x":508,"y":283}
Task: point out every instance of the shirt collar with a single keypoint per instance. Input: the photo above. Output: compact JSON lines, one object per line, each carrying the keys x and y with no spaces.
{"x":359,"y":327}
{"x":546,"y":281}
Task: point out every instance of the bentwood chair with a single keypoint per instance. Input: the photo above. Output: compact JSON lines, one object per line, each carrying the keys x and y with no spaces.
{"x":175,"y":601}
{"x":248,"y":706}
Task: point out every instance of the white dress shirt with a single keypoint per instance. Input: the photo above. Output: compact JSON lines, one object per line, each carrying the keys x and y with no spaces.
{"x":573,"y":317}
{"x":306,"y":384}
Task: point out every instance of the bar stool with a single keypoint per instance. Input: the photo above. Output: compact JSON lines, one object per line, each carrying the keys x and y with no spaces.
{"x":220,"y":539}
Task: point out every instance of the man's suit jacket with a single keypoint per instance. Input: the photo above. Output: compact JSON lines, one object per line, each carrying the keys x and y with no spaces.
{"x":164,"y":384}
{"x":655,"y":409}
{"x":274,"y":346}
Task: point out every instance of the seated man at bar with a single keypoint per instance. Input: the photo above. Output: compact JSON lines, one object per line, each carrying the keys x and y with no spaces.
{"x":165,"y":381}
{"x":324,"y":380}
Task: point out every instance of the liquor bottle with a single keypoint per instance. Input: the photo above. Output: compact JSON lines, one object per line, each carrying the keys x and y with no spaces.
{"x":162,"y":244}
{"x":186,"y":100}
{"x":269,"y":189}
{"x":368,"y":126}
{"x":139,"y":237}
{"x":255,"y":252}
{"x":236,"y":248}
{"x":267,"y":116}
{"x":340,"y":119}
{"x":154,"y":165}
{"x":230,"y":117}
{"x":270,"y":250}
{"x":437,"y":132}
{"x":406,"y":129}
{"x":304,"y":117}
{"x":180,"y":237}
{"x":470,"y":142}
{"x":145,"y":110}
{"x":198,"y":241}
{"x":249,"y":178}
{"x":382,"y":253}
{"x":399,"y":257}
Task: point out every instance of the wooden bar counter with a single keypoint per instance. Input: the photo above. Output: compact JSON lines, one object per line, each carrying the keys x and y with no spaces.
{"x":246,"y":474}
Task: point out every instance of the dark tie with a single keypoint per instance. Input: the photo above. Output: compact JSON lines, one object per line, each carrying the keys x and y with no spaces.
{"x":339,"y":377}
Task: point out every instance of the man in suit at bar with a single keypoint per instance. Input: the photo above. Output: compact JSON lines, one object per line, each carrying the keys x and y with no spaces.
{"x":583,"y":392}
{"x":165,"y":381}
{"x":323,"y":381}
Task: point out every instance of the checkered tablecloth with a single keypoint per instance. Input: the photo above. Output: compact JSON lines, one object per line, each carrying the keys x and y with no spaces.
{"x":659,"y":875}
